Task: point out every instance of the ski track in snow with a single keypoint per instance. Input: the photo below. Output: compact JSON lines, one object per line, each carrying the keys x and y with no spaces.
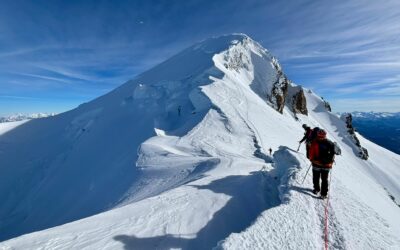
{"x":205,"y":181}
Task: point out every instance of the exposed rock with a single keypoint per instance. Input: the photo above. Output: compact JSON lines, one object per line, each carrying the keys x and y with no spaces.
{"x":279,"y":89}
{"x":284,"y":92}
{"x":363,"y":152}
{"x":236,"y":60}
{"x":327,"y":105}
{"x":299,"y":103}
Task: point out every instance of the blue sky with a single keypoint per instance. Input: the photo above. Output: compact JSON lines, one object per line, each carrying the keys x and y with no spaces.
{"x":56,"y":54}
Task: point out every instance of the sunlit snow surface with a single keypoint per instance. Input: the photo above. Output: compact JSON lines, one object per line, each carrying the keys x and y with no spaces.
{"x":7,"y":126}
{"x":195,"y":179}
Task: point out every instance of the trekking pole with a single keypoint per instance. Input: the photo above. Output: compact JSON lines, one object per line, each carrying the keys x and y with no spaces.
{"x":306,"y":174}
{"x":298,"y":147}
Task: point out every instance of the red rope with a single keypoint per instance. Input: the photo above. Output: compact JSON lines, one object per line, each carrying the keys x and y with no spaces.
{"x":326,"y":214}
{"x":326,"y":224}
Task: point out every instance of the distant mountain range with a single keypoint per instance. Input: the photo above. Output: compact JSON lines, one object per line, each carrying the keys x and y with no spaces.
{"x":383,"y":128}
{"x":21,"y":117}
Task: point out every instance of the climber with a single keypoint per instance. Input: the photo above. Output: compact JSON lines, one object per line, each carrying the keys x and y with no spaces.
{"x":270,"y":151}
{"x":179,"y":110}
{"x":306,"y":137}
{"x":321,"y":155}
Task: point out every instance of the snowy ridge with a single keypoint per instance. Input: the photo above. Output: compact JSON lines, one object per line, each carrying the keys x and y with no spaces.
{"x":7,"y":126}
{"x":177,"y":158}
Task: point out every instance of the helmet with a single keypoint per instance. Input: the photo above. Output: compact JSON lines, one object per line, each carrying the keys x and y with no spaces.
{"x":305,"y":126}
{"x":321,"y":134}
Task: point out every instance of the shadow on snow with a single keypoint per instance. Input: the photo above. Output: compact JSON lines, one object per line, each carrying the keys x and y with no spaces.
{"x":250,"y":196}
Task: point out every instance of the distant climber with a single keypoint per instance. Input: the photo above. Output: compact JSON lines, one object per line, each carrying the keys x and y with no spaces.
{"x":307,"y":138}
{"x":321,"y":155}
{"x":270,"y":151}
{"x":179,"y":110}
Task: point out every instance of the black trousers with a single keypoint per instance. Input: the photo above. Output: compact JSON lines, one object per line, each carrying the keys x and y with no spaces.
{"x":323,"y":174}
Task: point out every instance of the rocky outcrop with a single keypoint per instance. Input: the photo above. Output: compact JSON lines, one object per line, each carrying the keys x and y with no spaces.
{"x":272,"y":85}
{"x":283,"y":93}
{"x":236,"y":60}
{"x":299,"y":103}
{"x":279,"y":88}
{"x":348,"y":118}
{"x":327,"y":105}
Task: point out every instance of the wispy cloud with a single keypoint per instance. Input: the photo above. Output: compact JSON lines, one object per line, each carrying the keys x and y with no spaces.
{"x":369,"y":104}
{"x":44,"y":77}
{"x":352,"y":50}
{"x":18,"y":52}
{"x":18,"y":97}
{"x":341,"y":49}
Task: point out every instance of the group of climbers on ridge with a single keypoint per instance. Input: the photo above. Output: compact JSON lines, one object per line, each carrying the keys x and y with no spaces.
{"x":321,"y":152}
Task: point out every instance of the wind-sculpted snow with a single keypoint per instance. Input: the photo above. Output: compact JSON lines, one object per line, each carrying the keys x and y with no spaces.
{"x":178,"y":158}
{"x":82,"y":162}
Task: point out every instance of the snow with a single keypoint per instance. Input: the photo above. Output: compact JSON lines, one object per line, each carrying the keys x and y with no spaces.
{"x":21,"y":117}
{"x":128,"y":171}
{"x":7,"y":126}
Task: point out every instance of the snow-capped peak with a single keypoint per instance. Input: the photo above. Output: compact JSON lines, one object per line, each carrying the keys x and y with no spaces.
{"x":200,"y":151}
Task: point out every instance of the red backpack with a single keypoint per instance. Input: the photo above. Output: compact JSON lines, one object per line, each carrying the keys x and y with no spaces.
{"x":322,"y":151}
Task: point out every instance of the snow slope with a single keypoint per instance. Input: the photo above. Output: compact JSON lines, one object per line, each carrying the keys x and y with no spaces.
{"x":7,"y":126}
{"x":156,"y":179}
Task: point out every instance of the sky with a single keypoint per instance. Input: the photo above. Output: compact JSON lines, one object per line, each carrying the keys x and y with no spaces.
{"x":55,"y":55}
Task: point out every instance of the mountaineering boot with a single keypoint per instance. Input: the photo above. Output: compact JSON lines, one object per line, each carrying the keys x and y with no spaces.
{"x":324,"y":196}
{"x":315,"y":191}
